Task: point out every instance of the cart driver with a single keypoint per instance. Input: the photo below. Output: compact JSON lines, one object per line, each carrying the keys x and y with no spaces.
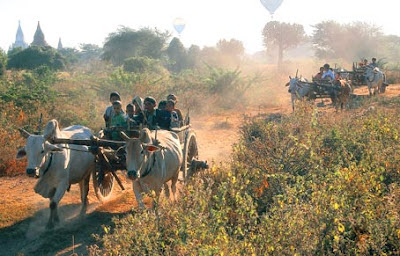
{"x":152,"y":117}
{"x":328,"y":73}
{"x":373,"y":64}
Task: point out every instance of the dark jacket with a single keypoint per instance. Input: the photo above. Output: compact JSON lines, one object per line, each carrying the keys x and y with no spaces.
{"x":162,"y":119}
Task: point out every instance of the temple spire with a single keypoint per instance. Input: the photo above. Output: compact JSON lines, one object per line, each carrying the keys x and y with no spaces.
{"x":60,"y":46}
{"x":19,"y":38}
{"x":38,"y":38}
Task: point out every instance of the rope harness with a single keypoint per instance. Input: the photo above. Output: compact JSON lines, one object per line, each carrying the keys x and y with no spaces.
{"x":75,"y":149}
{"x":48,"y":166}
{"x":373,"y":78}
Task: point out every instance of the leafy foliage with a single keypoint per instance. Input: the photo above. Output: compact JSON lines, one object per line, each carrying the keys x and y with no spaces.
{"x":283,"y":36}
{"x":232,"y":47}
{"x":90,"y":52}
{"x":34,"y":57}
{"x":3,"y":62}
{"x":32,"y":91}
{"x":140,"y":64}
{"x":177,"y":55}
{"x":127,"y":43}
{"x":346,"y":41}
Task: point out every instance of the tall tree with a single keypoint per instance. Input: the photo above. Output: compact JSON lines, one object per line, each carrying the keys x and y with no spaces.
{"x":177,"y":55}
{"x":90,"y":51}
{"x":232,"y":48}
{"x":127,"y":42}
{"x":347,"y":41}
{"x":283,"y":36}
{"x":193,"y":56}
{"x":3,"y":62}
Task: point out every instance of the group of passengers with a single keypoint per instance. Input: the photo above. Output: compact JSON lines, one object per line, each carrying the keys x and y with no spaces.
{"x":143,"y":112}
{"x":327,"y":73}
{"x":372,"y":64}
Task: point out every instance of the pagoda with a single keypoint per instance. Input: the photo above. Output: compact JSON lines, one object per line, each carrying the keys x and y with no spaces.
{"x":60,"y":46}
{"x":38,"y":38}
{"x":19,"y":39}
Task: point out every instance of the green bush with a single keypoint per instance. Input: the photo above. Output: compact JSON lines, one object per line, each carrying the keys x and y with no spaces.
{"x":36,"y":56}
{"x":3,"y":62}
{"x":141,"y":65}
{"x":32,"y":90}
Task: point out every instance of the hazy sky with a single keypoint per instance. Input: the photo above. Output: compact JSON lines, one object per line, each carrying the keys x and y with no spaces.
{"x":207,"y":21}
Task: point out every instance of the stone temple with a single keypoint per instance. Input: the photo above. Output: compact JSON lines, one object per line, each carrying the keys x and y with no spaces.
{"x":19,"y":39}
{"x":38,"y":39}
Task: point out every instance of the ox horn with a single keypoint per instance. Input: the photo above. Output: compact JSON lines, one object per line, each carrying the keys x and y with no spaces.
{"x":124,"y":136}
{"x":24,"y":133}
{"x":297,"y":72}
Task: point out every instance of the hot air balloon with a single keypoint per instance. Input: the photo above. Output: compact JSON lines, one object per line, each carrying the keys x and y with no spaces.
{"x":179,"y":25}
{"x":271,"y":5}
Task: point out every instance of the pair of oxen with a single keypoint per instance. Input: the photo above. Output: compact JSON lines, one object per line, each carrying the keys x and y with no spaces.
{"x":300,"y":88}
{"x":150,"y":163}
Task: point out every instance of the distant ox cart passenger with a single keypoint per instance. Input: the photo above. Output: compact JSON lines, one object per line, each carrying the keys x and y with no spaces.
{"x":58,"y":166}
{"x":152,"y":160}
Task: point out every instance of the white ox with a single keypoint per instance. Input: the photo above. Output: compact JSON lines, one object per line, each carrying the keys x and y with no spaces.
{"x":150,"y":166}
{"x":375,"y":80}
{"x":298,"y":88}
{"x":58,"y":166}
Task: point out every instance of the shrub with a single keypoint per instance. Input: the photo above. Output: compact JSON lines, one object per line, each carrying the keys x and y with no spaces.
{"x":36,"y":56}
{"x":141,"y":65}
{"x":33,"y":90}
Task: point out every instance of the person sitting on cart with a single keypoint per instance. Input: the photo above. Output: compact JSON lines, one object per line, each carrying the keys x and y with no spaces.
{"x":318,"y":76}
{"x":175,"y":122}
{"x":138,"y":103}
{"x":363,"y":63}
{"x":130,"y":110}
{"x":162,"y":105}
{"x":153,"y":118}
{"x":110,"y":109}
{"x":118,"y":120}
{"x":328,"y":73}
{"x":130,"y":114}
{"x":174,"y":98}
{"x":373,"y":64}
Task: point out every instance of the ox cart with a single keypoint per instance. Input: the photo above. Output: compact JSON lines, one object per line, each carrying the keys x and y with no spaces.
{"x":110,"y":157}
{"x":357,"y":76}
{"x":321,"y":89}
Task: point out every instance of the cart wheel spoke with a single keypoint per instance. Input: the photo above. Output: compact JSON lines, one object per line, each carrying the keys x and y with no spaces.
{"x":103,"y":184}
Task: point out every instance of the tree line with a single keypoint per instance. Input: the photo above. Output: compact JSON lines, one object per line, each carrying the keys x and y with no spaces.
{"x":139,"y":49}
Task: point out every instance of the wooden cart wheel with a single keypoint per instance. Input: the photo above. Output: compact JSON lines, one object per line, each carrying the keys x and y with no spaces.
{"x":103,"y":185}
{"x":190,"y":152}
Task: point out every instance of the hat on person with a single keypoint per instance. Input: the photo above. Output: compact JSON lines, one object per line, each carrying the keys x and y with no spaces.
{"x":139,"y":101}
{"x":150,"y":99}
{"x":117,"y":102}
{"x":172,"y":97}
{"x":115,"y":94}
